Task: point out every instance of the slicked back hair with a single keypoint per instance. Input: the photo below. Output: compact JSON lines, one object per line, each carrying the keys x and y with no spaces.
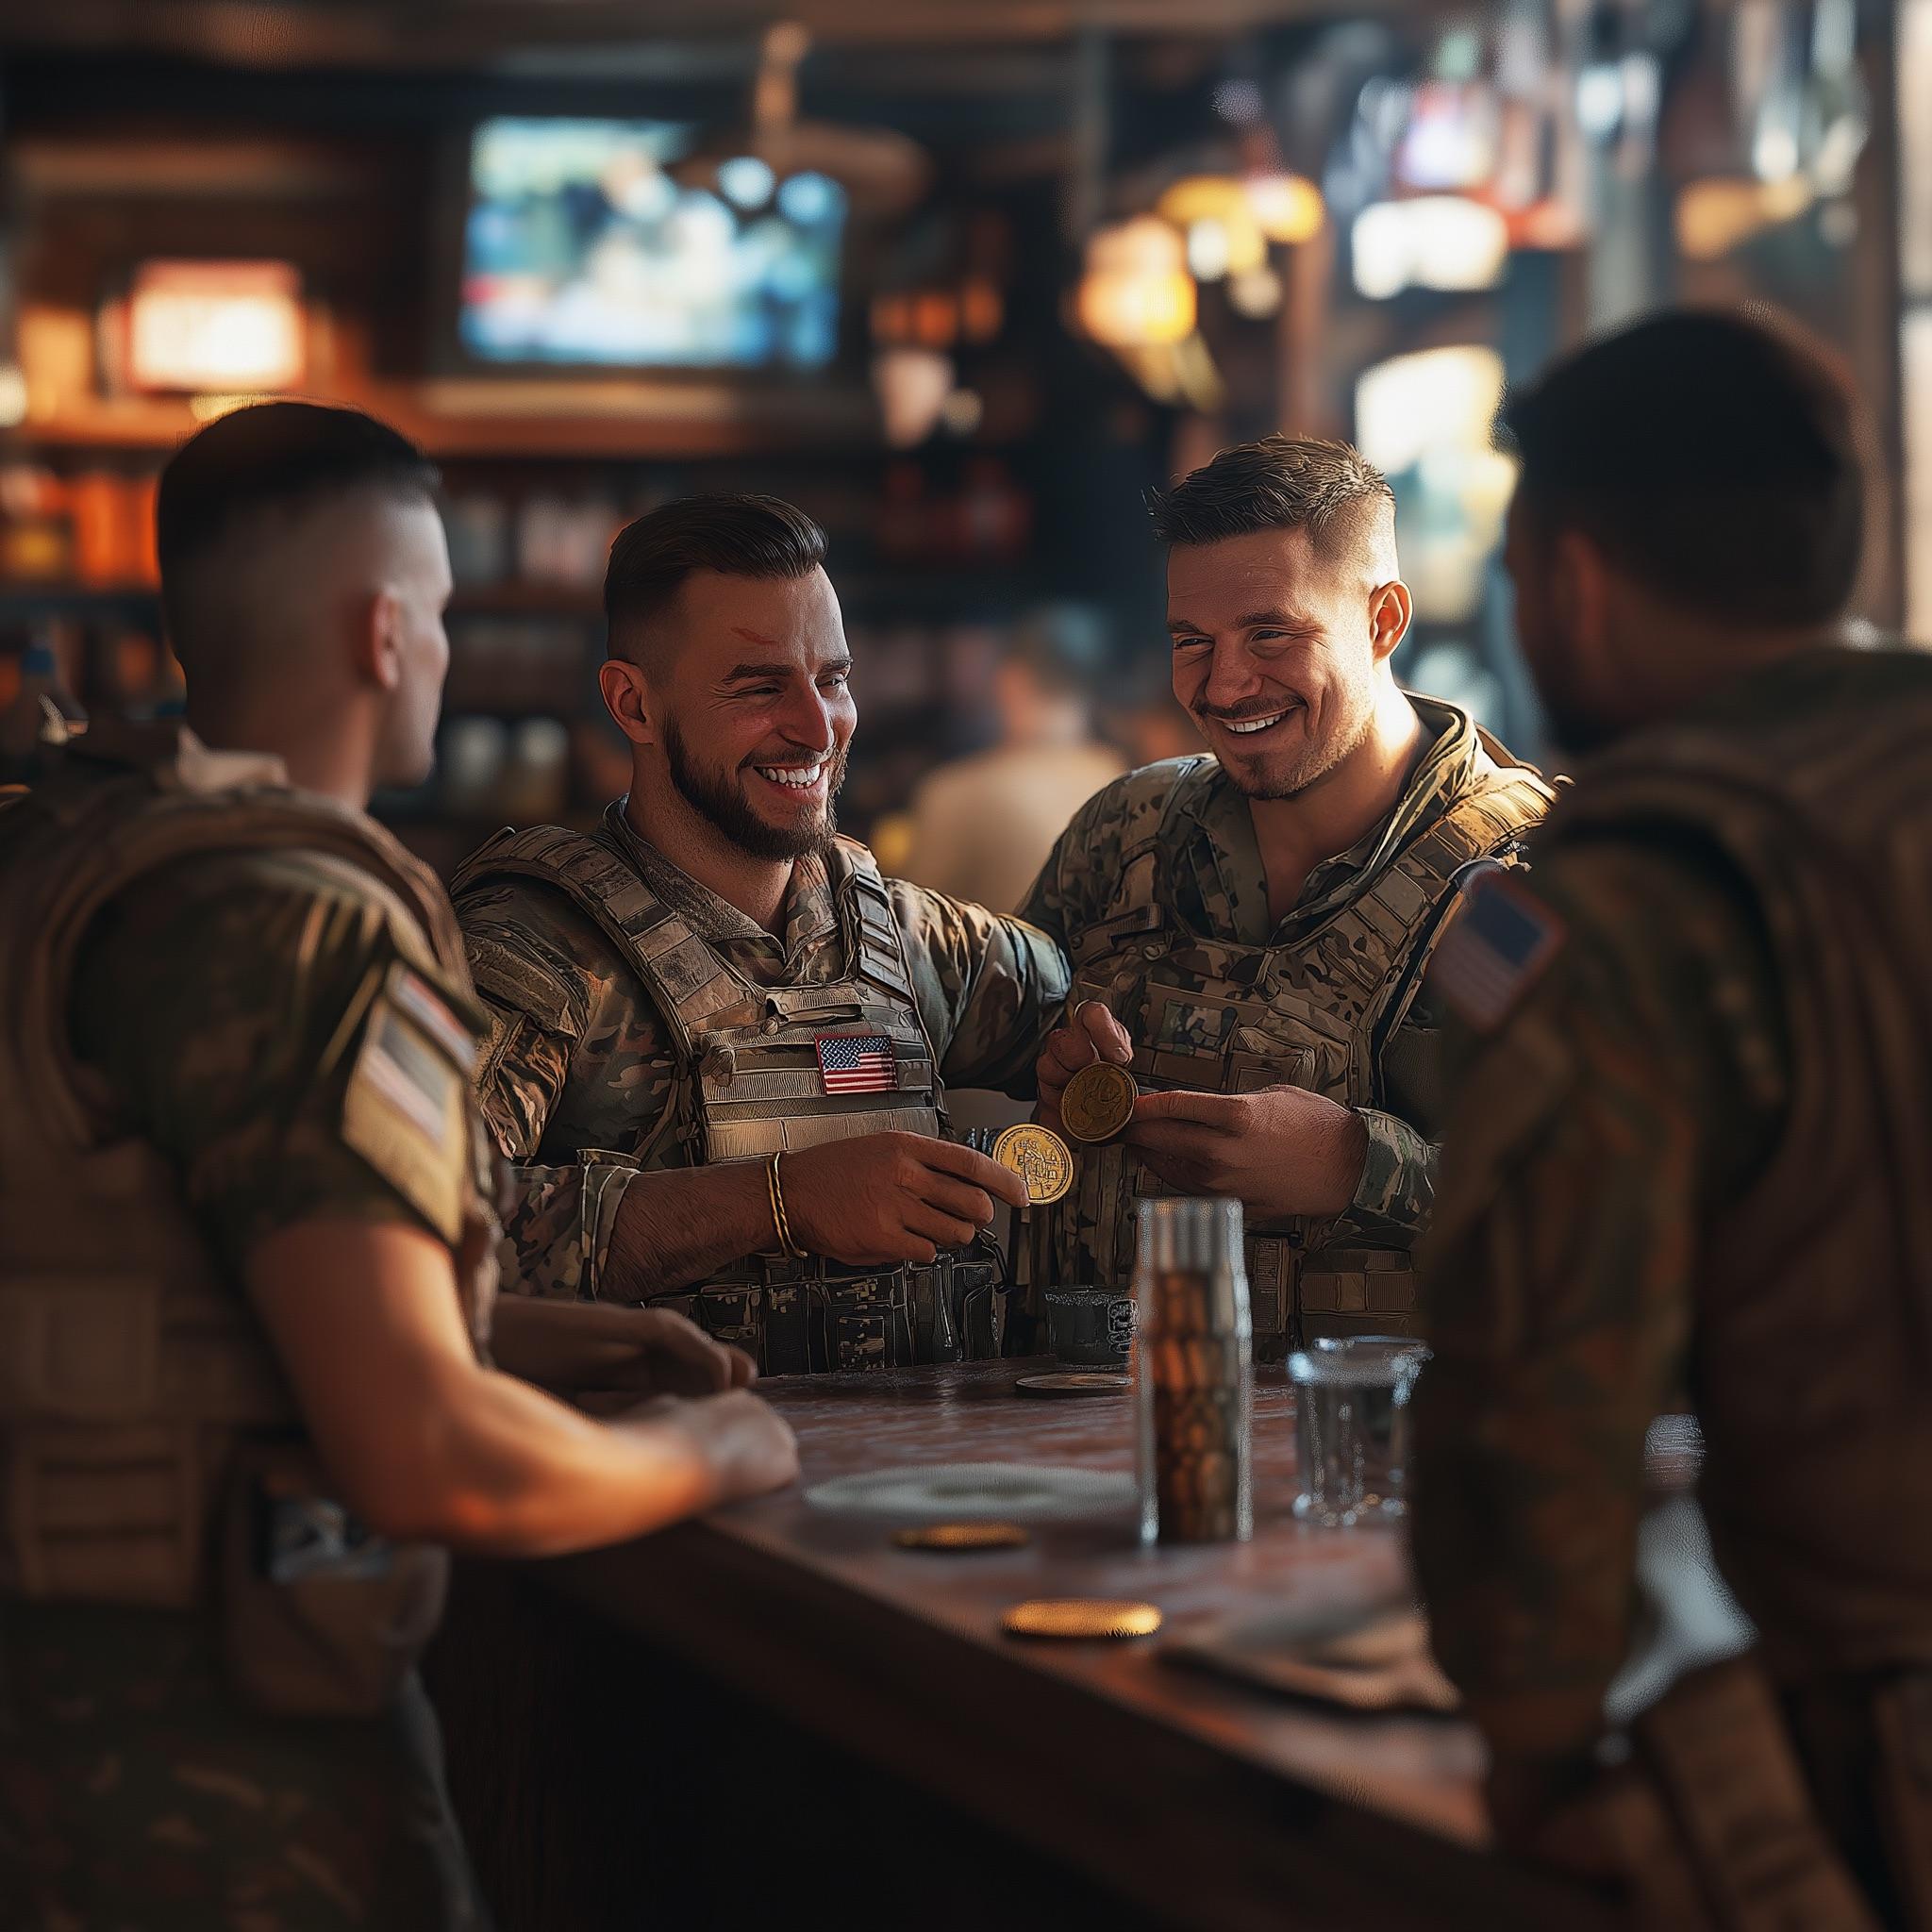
{"x":267,"y":456}
{"x":1327,"y":489}
{"x":1712,"y":458}
{"x":735,"y":535}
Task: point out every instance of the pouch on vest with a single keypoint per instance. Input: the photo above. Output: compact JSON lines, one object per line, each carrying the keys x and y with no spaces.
{"x":319,"y":1618}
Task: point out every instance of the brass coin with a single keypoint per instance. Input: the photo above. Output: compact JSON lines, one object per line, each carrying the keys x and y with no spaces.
{"x":962,"y":1536}
{"x":1039,"y":1158}
{"x":1081,"y":1616}
{"x":1064,"y":1382}
{"x":1097,"y":1102}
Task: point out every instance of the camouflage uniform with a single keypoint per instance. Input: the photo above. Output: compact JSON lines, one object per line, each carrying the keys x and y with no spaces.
{"x":631,"y":1012}
{"x":207,"y":1716}
{"x":1690,"y":1153}
{"x":1157,"y":892}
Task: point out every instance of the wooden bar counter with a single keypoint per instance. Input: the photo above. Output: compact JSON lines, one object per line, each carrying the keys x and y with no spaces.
{"x":1194,"y":1800}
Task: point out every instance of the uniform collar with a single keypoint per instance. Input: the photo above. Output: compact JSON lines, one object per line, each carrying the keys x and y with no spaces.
{"x":1221,"y":851}
{"x":809,"y":914}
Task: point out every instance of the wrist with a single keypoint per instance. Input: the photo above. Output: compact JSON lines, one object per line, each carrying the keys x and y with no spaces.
{"x":1346,"y":1160}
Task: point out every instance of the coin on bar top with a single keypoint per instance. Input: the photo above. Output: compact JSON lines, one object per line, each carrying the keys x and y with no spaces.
{"x":1097,"y":1102}
{"x":1081,"y":1616}
{"x":1065,"y":1382}
{"x":962,"y":1536}
{"x":1039,"y":1158}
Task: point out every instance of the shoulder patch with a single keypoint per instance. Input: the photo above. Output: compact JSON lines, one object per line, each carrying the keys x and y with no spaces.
{"x":404,"y":1110}
{"x":415,"y":996}
{"x":1500,"y":941}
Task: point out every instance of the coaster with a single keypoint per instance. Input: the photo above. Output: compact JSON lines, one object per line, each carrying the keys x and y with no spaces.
{"x":1065,"y":1382}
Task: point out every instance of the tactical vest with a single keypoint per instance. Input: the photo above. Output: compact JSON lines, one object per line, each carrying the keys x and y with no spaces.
{"x":136,"y":1384}
{"x":1220,"y":1017}
{"x":1814,"y":1316}
{"x":1812,"y":1341}
{"x":750,"y":1085}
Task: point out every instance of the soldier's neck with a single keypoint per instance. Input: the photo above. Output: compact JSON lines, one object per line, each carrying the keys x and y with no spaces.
{"x":1296,"y":835}
{"x":318,"y":752}
{"x":756,"y":887}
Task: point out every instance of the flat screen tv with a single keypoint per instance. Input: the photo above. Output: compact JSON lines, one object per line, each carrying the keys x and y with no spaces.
{"x":587,"y":244}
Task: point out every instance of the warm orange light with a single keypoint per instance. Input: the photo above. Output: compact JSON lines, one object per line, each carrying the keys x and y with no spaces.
{"x":215,"y":325}
{"x":1136,"y":292}
{"x":1716,"y":215}
{"x":1288,"y":208}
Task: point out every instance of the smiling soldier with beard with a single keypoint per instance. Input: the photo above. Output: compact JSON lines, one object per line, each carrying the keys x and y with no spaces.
{"x":1248,"y":931}
{"x":721,"y":1038}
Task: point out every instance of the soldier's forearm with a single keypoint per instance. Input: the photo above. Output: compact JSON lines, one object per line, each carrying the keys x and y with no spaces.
{"x":678,"y":1225}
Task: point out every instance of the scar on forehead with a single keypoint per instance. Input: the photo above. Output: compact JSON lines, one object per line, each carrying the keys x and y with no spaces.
{"x":755,"y":637}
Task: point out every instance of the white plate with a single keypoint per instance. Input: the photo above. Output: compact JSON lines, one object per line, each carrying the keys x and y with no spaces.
{"x":962,"y":1490}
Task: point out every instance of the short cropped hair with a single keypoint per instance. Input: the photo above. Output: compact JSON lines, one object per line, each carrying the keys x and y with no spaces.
{"x":1329,"y":489}
{"x":741,"y":535}
{"x":1713,"y":457}
{"x":267,"y":456}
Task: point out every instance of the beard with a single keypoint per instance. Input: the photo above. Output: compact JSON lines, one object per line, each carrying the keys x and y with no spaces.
{"x":1308,"y":767}
{"x":719,"y":798}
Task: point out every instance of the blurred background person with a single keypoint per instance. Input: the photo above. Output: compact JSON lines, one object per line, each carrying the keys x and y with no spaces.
{"x":982,"y":827}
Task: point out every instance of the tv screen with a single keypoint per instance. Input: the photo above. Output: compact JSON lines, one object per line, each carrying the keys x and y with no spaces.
{"x":586,"y":243}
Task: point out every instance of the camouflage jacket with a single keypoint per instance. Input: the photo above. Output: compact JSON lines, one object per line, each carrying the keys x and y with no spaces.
{"x":1220,"y":892}
{"x":580,"y":1076}
{"x":1687,"y":1139}
{"x":220,"y":1009}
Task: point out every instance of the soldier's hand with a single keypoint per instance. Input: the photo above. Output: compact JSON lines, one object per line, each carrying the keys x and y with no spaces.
{"x":746,"y":1445}
{"x":1093,"y":1034}
{"x":1280,"y":1152}
{"x":887,"y":1198}
{"x":579,"y":1348}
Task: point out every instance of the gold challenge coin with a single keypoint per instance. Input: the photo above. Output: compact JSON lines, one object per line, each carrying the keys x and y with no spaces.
{"x":1097,"y":1102}
{"x":962,"y":1536}
{"x":1081,"y":1616}
{"x":1039,"y":1158}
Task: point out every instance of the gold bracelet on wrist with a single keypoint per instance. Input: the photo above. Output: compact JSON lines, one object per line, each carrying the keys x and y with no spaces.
{"x":775,"y":1188}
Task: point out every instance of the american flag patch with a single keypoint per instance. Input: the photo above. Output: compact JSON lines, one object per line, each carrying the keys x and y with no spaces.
{"x":856,"y":1063}
{"x":1497,"y":948}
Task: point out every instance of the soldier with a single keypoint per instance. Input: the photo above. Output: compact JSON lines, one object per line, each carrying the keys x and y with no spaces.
{"x":1690,"y":1153}
{"x":720,"y":1037}
{"x":247,"y":1251}
{"x":1248,"y":930}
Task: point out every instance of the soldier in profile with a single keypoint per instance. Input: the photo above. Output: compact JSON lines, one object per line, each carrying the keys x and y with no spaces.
{"x":720,"y":1039}
{"x":1688,"y":1155}
{"x":1248,"y":929}
{"x":247,"y":1251}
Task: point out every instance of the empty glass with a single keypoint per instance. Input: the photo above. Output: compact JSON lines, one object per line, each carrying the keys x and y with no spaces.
{"x":1350,"y":1405}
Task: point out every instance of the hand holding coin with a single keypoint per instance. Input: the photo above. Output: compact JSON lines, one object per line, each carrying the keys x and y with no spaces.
{"x":1041,"y":1159}
{"x":1090,"y":1034}
{"x":1097,"y":1103}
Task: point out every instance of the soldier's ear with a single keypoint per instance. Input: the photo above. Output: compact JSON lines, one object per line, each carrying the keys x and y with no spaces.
{"x":377,"y":644}
{"x":1579,"y":590}
{"x":1391,"y":607}
{"x":627,"y":698}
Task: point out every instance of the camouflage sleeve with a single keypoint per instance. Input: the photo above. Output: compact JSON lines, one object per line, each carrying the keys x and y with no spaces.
{"x":241,"y":1008}
{"x":1639,"y":1074}
{"x":1397,"y":1190}
{"x":990,"y":989}
{"x":551,"y":990}
{"x":1071,"y":890}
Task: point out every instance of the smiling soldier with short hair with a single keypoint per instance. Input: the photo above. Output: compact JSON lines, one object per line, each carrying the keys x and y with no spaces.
{"x":721,"y":1038}
{"x":1248,"y":930}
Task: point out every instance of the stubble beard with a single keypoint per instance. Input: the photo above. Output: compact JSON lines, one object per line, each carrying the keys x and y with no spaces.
{"x":1314,"y":765}
{"x":718,"y":798}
